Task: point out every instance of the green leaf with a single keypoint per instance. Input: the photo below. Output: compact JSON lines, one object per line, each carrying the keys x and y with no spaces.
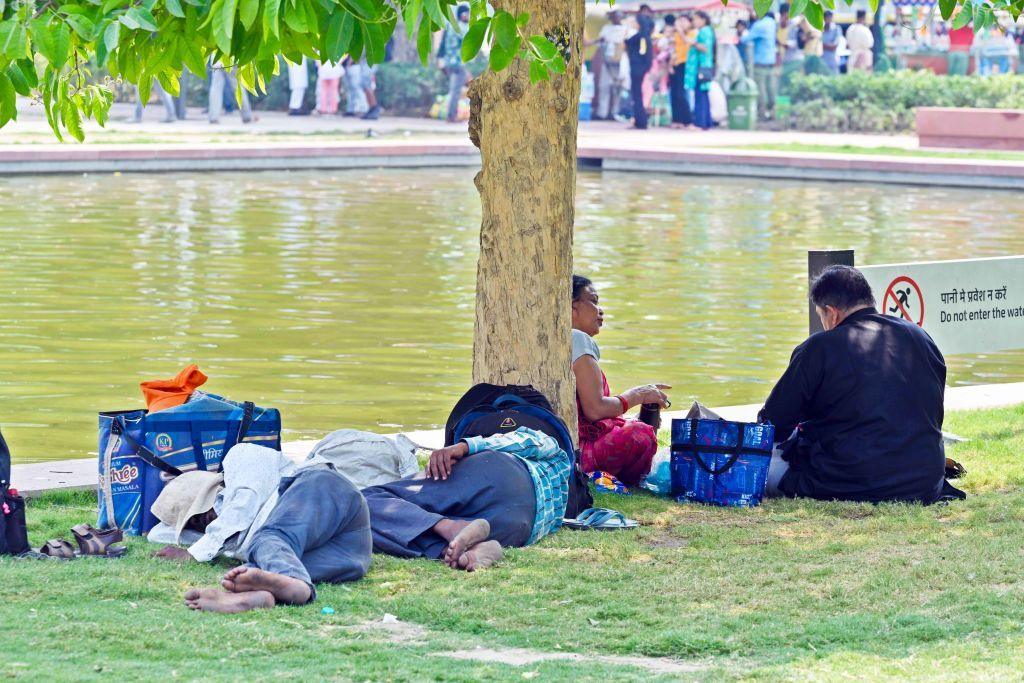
{"x":8,"y":102}
{"x":544,"y":47}
{"x":946,"y":8}
{"x":174,"y":8}
{"x":411,"y":14}
{"x":143,"y":17}
{"x":13,"y":39}
{"x":874,"y":5}
{"x":828,"y":4}
{"x":376,"y":39}
{"x":505,"y":31}
{"x":815,"y":15}
{"x":433,"y":10}
{"x":339,"y":35}
{"x":501,"y":57}
{"x":474,"y":38}
{"x":557,"y":64}
{"x":73,"y":118}
{"x":18,"y":81}
{"x":295,"y":18}
{"x":961,"y":19}
{"x":271,"y":19}
{"x":363,"y":8}
{"x":53,"y":41}
{"x":761,"y":7}
{"x":111,"y":36}
{"x":797,"y":8}
{"x":538,"y":72}
{"x":224,"y":23}
{"x":192,"y":56}
{"x":83,"y":26}
{"x":424,"y":42}
{"x":522,"y":19}
{"x":247,"y":12}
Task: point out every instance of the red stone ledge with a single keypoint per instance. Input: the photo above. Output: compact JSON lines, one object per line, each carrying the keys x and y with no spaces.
{"x":1001,"y":129}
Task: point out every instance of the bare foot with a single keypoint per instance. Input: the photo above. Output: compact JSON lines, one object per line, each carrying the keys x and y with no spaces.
{"x":284,"y":588}
{"x":472,"y":534}
{"x":213,"y":600}
{"x":481,"y":556}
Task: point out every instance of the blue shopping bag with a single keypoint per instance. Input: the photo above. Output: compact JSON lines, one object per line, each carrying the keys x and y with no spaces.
{"x":718,"y":462}
{"x":139,"y":452}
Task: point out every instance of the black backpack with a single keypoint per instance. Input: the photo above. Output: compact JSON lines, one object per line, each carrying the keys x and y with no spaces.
{"x":13,"y":532}
{"x":488,"y":409}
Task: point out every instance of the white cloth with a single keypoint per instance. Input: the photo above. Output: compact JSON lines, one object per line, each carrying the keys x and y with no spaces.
{"x":366,"y":459}
{"x":329,"y":70}
{"x":251,"y":476}
{"x":858,"y":37}
{"x":298,"y":75}
{"x":584,"y":345}
{"x":613,"y":39}
{"x":716,"y":98}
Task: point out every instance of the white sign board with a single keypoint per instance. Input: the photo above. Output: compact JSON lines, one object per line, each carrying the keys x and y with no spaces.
{"x":970,"y":306}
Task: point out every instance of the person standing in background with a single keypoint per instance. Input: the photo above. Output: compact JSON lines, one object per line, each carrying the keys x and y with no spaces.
{"x":762,"y":37}
{"x":675,"y":32}
{"x":611,"y":46}
{"x":355,"y":98}
{"x":368,"y":83}
{"x":860,"y":41}
{"x":640,"y":52}
{"x":960,"y":41}
{"x":700,"y":69}
{"x":298,"y":81}
{"x":830,"y":36}
{"x":219,"y":77}
{"x":328,"y":86}
{"x":449,"y":58}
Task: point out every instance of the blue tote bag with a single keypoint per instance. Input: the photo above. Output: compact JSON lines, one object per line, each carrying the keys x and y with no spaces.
{"x":718,"y":462}
{"x":139,"y":452}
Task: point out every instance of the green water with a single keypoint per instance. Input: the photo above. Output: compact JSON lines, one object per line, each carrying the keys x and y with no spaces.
{"x":346,"y":299}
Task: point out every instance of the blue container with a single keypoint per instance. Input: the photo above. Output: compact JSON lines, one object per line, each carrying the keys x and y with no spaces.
{"x":194,"y":435}
{"x":718,"y":462}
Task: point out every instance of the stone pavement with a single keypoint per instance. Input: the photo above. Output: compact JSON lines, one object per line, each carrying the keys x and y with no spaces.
{"x":33,"y":479}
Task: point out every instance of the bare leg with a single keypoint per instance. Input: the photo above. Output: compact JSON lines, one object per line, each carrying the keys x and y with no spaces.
{"x":213,"y":600}
{"x":285,"y":589}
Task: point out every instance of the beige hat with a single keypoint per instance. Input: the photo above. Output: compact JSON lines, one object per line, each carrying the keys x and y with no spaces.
{"x":186,"y":496}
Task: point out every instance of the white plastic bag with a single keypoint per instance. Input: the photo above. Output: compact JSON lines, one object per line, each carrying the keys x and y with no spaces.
{"x":716,"y":98}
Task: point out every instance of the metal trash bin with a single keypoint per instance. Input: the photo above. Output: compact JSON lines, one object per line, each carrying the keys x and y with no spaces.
{"x":742,"y":100}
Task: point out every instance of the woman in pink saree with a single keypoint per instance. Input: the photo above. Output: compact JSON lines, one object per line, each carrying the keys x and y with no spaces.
{"x":609,"y":442}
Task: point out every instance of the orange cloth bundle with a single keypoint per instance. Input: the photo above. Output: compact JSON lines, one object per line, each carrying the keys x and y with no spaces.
{"x":161,"y":394}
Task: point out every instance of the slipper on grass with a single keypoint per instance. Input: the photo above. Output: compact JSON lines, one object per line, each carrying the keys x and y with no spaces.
{"x":601,"y":519}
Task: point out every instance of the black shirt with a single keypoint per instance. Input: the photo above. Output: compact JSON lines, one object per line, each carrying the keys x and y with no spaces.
{"x":868,"y":397}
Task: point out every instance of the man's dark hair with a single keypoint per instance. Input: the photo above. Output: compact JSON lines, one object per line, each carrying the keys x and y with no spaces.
{"x":841,"y":287}
{"x":784,"y":8}
{"x":670,"y":20}
{"x":861,"y":14}
{"x":769,"y":15}
{"x":740,"y":22}
{"x":579,"y":283}
{"x":463,"y":9}
{"x":646,"y":8}
{"x":829,"y":14}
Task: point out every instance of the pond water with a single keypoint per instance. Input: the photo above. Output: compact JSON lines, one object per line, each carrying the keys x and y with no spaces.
{"x":346,"y":298}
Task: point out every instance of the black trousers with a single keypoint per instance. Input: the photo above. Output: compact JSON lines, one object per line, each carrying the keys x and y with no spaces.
{"x":489,"y":485}
{"x":636,"y":91}
{"x":677,"y":96}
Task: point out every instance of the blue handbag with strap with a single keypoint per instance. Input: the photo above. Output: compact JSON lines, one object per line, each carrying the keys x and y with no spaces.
{"x":139,"y":452}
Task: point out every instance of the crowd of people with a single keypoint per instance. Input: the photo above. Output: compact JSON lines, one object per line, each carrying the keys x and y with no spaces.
{"x":858,"y":414}
{"x":695,"y":63}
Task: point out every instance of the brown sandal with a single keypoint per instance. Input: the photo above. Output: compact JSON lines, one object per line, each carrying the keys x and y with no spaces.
{"x":96,"y":543}
{"x":58,"y":549}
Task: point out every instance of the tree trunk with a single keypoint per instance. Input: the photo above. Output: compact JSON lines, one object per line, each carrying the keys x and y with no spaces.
{"x":527,"y":139}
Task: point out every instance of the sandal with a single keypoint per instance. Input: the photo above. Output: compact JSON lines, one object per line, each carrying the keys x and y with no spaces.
{"x":59,"y":549}
{"x":600,"y":518}
{"x":954,"y":470}
{"x":96,"y":543}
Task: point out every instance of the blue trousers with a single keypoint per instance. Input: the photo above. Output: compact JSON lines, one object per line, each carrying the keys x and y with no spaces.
{"x":489,"y":485}
{"x":319,"y":531}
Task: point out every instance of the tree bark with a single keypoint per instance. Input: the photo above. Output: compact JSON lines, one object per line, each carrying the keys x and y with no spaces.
{"x":527,"y":139}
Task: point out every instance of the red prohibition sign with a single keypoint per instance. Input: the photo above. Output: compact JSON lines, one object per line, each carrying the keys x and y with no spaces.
{"x":901,"y":298}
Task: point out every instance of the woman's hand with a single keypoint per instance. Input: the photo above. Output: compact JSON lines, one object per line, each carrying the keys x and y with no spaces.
{"x":442,"y":460}
{"x":648,"y":393}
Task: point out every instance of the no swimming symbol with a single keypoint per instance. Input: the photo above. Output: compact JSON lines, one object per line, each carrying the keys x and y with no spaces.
{"x":903,"y":299}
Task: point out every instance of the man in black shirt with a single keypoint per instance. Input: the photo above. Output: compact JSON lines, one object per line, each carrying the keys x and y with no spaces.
{"x":867,"y":398}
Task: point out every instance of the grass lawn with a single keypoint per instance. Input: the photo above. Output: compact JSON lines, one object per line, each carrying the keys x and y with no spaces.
{"x":882,"y":150}
{"x":790,"y":590}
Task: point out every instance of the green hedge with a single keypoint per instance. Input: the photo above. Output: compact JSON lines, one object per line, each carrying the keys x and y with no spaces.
{"x":885,"y":102}
{"x":409,"y":89}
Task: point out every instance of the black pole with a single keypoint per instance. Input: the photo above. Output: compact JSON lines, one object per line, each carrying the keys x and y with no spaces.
{"x":818,"y":261}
